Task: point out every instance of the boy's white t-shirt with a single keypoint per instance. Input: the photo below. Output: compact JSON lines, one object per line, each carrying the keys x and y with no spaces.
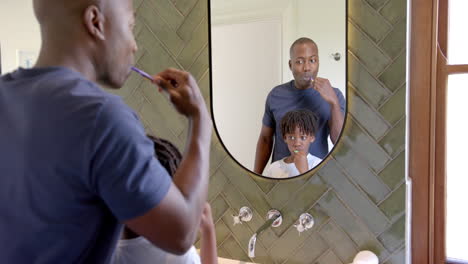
{"x":141,"y":251}
{"x":281,"y":169}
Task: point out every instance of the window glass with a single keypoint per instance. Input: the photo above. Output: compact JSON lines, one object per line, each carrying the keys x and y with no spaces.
{"x":458,"y":32}
{"x":457,"y":174}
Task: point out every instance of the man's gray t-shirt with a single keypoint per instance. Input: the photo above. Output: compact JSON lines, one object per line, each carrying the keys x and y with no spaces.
{"x":286,"y":97}
{"x":75,"y":162}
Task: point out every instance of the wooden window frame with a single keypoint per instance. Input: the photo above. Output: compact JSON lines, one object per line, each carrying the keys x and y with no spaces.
{"x":428,"y":74}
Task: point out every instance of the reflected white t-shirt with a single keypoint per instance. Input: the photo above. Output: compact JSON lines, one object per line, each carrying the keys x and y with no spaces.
{"x":141,"y":251}
{"x":281,"y":169}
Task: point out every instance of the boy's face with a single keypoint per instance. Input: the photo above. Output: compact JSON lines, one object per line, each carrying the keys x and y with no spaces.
{"x":298,"y":142}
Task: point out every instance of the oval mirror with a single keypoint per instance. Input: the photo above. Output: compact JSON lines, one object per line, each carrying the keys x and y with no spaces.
{"x":278,"y":81}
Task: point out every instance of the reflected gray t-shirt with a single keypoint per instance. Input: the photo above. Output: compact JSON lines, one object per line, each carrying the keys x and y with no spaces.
{"x":74,"y":162}
{"x":286,"y":97}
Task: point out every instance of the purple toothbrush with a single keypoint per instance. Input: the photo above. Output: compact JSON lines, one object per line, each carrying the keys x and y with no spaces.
{"x":142,"y":73}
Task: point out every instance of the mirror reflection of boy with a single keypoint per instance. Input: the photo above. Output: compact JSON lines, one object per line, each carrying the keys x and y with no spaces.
{"x":298,"y":128}
{"x":135,"y":249}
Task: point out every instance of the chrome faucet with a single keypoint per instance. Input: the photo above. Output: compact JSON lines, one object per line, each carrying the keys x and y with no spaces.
{"x":245,"y":215}
{"x":274,"y":219}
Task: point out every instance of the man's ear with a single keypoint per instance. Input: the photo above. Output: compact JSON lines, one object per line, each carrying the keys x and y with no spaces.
{"x":290,"y":65}
{"x":93,"y":20}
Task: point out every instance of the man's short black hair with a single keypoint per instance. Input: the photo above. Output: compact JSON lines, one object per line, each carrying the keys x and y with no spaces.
{"x":298,"y":41}
{"x":305,"y":119}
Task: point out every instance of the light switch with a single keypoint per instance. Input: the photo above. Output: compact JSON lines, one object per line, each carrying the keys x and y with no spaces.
{"x":26,"y":58}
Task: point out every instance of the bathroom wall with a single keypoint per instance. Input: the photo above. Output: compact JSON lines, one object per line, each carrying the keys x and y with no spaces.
{"x":245,"y":68}
{"x":324,"y":22}
{"x":23,"y":35}
{"x":357,"y":197}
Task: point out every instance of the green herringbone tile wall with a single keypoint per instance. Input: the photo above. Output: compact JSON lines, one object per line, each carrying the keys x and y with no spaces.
{"x":357,"y":198}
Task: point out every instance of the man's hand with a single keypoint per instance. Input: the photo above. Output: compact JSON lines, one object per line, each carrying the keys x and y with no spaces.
{"x":325,"y":89}
{"x":300,"y":160}
{"x":335,"y":123}
{"x":183,"y":91}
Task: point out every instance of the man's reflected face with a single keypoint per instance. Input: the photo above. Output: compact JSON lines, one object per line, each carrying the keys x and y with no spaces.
{"x":304,"y":64}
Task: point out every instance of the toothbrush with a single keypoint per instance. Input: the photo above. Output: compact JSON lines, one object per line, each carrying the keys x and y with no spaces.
{"x":142,"y":73}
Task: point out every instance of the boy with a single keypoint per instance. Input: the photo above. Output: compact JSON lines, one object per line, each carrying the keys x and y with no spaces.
{"x":298,"y":128}
{"x":137,"y":250}
{"x":134,"y":249}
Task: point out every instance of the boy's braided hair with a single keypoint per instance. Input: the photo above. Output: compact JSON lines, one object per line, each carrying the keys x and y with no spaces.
{"x":167,"y":154}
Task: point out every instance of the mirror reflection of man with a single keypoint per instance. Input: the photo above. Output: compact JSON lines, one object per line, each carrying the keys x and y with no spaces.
{"x":306,"y":91}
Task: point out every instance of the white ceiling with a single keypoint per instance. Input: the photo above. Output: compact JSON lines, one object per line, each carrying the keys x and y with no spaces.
{"x":228,"y":7}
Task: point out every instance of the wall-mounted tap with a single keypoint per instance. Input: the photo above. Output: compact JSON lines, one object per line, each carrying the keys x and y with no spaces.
{"x":245,"y":215}
{"x":305,"y":222}
{"x":274,"y":219}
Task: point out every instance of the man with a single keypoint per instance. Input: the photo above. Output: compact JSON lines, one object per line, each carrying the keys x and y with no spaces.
{"x":75,"y":161}
{"x":306,"y":91}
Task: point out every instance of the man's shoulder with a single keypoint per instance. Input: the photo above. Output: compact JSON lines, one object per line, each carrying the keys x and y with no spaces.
{"x":279,"y":90}
{"x":281,"y":87}
{"x":341,"y":98}
{"x":65,"y":86}
{"x":76,"y":86}
{"x":78,"y":98}
{"x":57,"y":84}
{"x":338,"y":92}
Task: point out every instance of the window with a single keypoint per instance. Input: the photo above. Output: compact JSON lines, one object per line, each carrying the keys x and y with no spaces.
{"x":457,"y":52}
{"x":438,"y":90}
{"x":457,"y":125}
{"x":457,"y":173}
